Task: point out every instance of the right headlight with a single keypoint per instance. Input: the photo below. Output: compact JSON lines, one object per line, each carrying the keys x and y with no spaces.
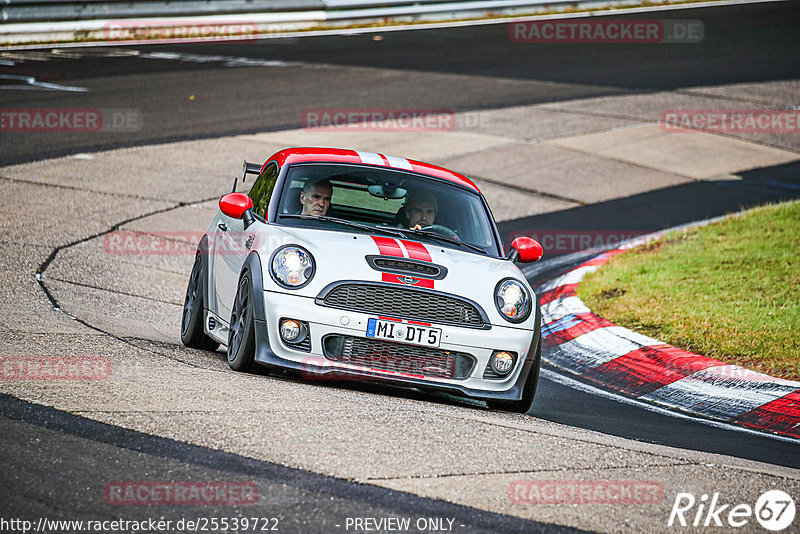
{"x":513,"y":300}
{"x":292,"y":267}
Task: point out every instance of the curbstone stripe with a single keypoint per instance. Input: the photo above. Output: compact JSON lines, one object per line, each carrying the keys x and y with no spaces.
{"x":598,"y":351}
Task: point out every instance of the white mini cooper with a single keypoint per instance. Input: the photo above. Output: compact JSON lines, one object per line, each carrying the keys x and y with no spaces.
{"x":357,"y":265}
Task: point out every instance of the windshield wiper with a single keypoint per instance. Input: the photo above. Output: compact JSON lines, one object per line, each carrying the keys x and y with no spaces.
{"x":344,"y":222}
{"x":446,"y":239}
{"x":391,"y":231}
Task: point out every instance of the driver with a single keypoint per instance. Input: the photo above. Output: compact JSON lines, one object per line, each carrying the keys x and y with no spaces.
{"x":316,"y":197}
{"x":420,"y":210}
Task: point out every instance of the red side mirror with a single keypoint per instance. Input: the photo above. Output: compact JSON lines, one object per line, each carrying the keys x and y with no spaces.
{"x":527,"y":250}
{"x":235,"y":204}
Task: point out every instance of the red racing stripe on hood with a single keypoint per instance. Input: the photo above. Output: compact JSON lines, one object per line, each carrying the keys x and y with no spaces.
{"x":391,"y":247}
{"x":388,"y":246}
{"x":416,"y":251}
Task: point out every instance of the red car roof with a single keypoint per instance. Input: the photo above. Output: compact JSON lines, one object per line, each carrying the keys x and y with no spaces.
{"x":339,"y":155}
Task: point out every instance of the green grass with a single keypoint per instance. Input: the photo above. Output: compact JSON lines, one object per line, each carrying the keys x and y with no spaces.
{"x":730,"y":290}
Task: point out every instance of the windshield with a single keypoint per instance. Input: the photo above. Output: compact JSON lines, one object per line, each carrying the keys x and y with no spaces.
{"x":386,"y":201}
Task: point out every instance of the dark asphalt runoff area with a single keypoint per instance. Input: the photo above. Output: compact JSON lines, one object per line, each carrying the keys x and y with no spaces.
{"x":52,"y":460}
{"x":471,"y":68}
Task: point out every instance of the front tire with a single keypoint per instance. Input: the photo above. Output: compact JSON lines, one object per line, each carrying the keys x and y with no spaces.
{"x":241,"y":334}
{"x":193,"y":334}
{"x":528,"y":392}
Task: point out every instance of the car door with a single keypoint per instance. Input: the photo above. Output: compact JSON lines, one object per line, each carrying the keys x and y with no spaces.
{"x":228,"y":253}
{"x":232,"y":243}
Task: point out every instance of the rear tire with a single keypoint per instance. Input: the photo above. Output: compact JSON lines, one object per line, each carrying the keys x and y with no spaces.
{"x":528,"y":392}
{"x":192,"y":328}
{"x":241,"y":333}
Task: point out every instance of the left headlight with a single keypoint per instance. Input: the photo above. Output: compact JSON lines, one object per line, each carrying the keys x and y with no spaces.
{"x":292,"y":266}
{"x":513,"y":300}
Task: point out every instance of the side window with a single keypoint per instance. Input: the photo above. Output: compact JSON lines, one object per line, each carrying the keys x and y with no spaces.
{"x":261,"y":192}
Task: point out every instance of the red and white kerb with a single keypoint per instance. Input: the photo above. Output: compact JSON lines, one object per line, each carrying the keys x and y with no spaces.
{"x":615,"y":358}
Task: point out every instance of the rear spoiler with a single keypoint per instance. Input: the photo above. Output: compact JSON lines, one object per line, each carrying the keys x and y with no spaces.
{"x":248,"y":168}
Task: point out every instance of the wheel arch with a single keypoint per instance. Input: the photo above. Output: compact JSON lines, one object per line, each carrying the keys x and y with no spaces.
{"x":203,"y":250}
{"x":253,"y":264}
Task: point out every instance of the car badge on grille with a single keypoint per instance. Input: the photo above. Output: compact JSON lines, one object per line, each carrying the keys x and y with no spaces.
{"x":408,"y":280}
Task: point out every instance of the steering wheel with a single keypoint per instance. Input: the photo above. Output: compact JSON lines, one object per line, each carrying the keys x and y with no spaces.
{"x":441,"y":230}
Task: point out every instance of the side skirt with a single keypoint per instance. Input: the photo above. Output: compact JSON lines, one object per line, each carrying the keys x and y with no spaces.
{"x":216,"y":328}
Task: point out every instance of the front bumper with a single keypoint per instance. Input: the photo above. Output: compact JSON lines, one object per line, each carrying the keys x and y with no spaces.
{"x":324,"y":321}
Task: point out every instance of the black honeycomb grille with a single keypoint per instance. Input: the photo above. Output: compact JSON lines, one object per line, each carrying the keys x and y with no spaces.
{"x":405,"y":303}
{"x":398,"y":357}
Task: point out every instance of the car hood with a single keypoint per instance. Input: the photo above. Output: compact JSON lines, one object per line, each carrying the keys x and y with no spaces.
{"x":343,"y":256}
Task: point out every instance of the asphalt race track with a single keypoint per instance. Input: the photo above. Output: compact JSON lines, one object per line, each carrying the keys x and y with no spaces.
{"x":323,"y":454}
{"x":460,"y":69}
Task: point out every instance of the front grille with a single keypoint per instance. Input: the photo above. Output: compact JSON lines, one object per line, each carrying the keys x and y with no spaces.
{"x":430,"y":271}
{"x":427,"y":306}
{"x":398,"y":357}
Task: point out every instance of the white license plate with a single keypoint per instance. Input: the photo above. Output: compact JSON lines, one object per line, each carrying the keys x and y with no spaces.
{"x":403,"y":332}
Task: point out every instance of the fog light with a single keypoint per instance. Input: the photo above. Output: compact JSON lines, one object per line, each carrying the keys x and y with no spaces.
{"x":502,"y":362}
{"x":290,"y":330}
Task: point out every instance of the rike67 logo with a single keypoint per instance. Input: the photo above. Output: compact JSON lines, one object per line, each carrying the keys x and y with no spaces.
{"x":774,"y":510}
